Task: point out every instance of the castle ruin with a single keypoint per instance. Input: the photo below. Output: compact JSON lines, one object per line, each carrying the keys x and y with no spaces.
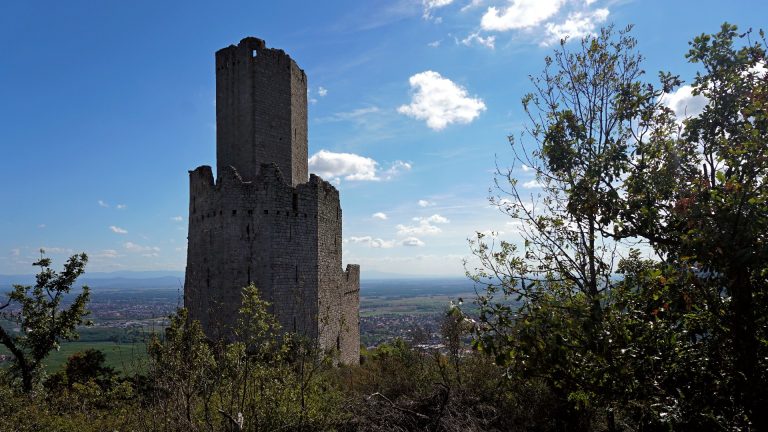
{"x":263,"y":220}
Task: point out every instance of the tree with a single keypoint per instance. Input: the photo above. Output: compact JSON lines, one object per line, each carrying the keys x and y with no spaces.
{"x":42,"y":319}
{"x":616,"y":167}
{"x":543,"y":308}
{"x":711,"y":215}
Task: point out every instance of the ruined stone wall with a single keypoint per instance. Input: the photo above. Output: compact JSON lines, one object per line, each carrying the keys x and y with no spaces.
{"x":261,"y":221}
{"x":263,"y":231}
{"x":261,"y":111}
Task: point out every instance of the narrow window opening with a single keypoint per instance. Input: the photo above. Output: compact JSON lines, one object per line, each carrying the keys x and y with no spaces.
{"x":234,"y":212}
{"x":266,"y":211}
{"x":295,"y":201}
{"x":254,"y":53}
{"x":338,"y":342}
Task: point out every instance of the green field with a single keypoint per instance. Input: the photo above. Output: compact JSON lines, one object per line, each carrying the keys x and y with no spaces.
{"x":411,"y":305}
{"x":125,"y":358}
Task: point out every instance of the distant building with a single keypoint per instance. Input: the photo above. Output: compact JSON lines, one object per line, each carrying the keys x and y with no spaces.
{"x":263,"y":220}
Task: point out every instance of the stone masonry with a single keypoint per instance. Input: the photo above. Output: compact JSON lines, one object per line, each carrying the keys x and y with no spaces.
{"x":263,"y":220}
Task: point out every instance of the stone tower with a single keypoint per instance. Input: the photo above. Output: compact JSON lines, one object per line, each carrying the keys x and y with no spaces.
{"x":263,"y":220}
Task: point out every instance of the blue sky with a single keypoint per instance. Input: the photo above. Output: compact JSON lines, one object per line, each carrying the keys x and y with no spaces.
{"x":106,"y":105}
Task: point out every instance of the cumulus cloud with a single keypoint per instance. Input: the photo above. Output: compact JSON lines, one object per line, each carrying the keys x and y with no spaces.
{"x":519,"y":14}
{"x":412,"y":241}
{"x":349,"y":166}
{"x":440,"y":102}
{"x":380,"y":216}
{"x":684,"y":103}
{"x":133,"y":247}
{"x":373,"y":242}
{"x":475,"y":38}
{"x":322,"y":91}
{"x":576,"y":25}
{"x":532,"y":184}
{"x":102,"y":204}
{"x":118,"y":230}
{"x":425,"y":203}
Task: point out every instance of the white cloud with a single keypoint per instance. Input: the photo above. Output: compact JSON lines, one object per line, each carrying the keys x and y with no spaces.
{"x":520,"y":14}
{"x":532,"y":184}
{"x":102,"y":204}
{"x":118,"y":230}
{"x":431,"y":5}
{"x":435,"y":218}
{"x":121,"y":206}
{"x":425,"y":203}
{"x":349,"y":166}
{"x":576,"y":25}
{"x":41,"y":226}
{"x":440,"y":101}
{"x":412,"y":241}
{"x":684,"y":103}
{"x":525,"y":168}
{"x":16,"y":252}
{"x":380,"y":216}
{"x":322,"y":91}
{"x":423,"y":227}
{"x":475,"y":38}
{"x":395,"y":169}
{"x":374,"y":242}
{"x":133,"y":247}
{"x":177,"y":218}
{"x":434,"y":44}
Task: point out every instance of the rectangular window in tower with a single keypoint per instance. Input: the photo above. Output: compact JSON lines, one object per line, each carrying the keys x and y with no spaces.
{"x":295,"y":201}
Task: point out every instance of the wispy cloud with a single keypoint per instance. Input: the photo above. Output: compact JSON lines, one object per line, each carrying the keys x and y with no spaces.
{"x":121,"y":206}
{"x":412,"y":242}
{"x":477,"y":39}
{"x":425,"y":203}
{"x":177,"y":218}
{"x":380,"y":216}
{"x":118,"y":230}
{"x":102,"y":204}
{"x":133,"y":247}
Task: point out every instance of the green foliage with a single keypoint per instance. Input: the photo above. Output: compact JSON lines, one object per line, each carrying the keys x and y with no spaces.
{"x":43,"y":321}
{"x":259,"y":381}
{"x":618,"y":338}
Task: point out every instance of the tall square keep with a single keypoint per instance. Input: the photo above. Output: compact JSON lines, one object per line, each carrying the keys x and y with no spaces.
{"x":263,"y":220}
